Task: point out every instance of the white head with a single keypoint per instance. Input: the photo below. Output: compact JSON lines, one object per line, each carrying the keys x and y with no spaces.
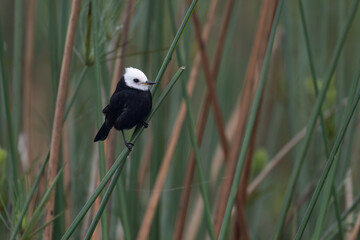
{"x":135,"y":78}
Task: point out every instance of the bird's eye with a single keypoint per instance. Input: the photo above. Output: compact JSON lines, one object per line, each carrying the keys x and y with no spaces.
{"x":136,"y":80}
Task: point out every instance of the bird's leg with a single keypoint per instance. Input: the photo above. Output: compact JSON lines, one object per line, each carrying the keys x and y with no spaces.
{"x":127,"y":144}
{"x":145,"y":124}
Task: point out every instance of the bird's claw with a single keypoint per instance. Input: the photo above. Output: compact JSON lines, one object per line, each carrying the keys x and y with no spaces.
{"x":145,"y":124}
{"x":129,"y":146}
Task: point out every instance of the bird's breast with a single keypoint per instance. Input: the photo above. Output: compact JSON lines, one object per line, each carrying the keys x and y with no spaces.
{"x":136,"y":108}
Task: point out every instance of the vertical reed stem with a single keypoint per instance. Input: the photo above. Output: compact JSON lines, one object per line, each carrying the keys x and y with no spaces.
{"x":59,"y":114}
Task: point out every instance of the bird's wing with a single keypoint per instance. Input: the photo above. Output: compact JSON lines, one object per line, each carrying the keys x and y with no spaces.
{"x":106,"y":109}
{"x":116,"y":102}
{"x":115,"y":107}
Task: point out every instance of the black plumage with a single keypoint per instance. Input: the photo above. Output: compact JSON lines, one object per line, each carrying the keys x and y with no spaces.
{"x":128,"y":107}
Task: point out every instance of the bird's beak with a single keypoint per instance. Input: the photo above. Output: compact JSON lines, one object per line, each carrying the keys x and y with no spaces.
{"x":149,"y":83}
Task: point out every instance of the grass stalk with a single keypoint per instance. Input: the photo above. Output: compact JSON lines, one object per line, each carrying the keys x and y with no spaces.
{"x":119,"y":162}
{"x":16,"y":70}
{"x":250,"y":125}
{"x":301,"y":157}
{"x":95,"y":20}
{"x":59,"y":113}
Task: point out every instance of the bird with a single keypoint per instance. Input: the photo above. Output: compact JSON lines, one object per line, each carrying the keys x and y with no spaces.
{"x":129,"y":105}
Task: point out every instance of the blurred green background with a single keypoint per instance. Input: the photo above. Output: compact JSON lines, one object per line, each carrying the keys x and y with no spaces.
{"x":287,"y":102}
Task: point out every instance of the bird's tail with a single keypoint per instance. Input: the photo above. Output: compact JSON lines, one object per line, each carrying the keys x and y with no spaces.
{"x":102,"y":133}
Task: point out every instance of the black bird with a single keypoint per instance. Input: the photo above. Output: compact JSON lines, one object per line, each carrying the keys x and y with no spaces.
{"x":129,"y":105}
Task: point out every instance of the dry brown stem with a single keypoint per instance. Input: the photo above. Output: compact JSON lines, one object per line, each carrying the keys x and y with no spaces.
{"x":251,"y":83}
{"x":59,"y":114}
{"x":210,"y":82}
{"x":67,"y":175}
